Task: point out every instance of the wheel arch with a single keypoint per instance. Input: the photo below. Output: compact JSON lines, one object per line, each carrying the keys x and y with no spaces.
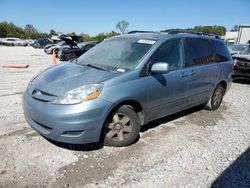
{"x":134,"y":104}
{"x":223,"y":83}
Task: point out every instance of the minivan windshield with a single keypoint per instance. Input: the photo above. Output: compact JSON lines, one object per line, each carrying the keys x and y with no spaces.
{"x":117,"y":54}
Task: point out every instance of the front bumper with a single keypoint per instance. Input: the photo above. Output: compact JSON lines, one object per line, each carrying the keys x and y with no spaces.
{"x":76,"y":124}
{"x":241,"y":72}
{"x":241,"y":69}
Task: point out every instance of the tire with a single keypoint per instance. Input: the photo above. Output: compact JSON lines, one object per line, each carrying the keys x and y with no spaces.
{"x":216,"y":98}
{"x":121,"y":128}
{"x":70,"y":56}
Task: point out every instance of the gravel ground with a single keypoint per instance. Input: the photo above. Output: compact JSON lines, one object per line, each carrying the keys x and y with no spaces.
{"x":194,"y":148}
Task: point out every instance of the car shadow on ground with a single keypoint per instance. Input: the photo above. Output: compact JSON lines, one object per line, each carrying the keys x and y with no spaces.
{"x":77,"y":147}
{"x":151,"y":125}
{"x":172,"y":117}
{"x":237,"y":174}
{"x":242,"y":81}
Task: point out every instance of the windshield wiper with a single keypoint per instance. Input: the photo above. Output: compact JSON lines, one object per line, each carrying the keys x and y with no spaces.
{"x":94,"y":66}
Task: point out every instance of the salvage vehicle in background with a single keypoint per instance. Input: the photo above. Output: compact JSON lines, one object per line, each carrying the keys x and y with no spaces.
{"x":48,"y":49}
{"x":242,"y":65}
{"x":125,"y":82}
{"x":237,"y":48}
{"x":65,"y":42}
{"x":41,"y":43}
{"x":76,"y":51}
{"x":56,"y":38}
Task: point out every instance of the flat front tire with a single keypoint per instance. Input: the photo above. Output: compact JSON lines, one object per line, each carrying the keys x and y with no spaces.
{"x":121,"y":128}
{"x":216,"y":98}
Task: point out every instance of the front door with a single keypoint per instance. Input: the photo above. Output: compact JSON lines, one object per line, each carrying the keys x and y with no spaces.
{"x":166,"y":93}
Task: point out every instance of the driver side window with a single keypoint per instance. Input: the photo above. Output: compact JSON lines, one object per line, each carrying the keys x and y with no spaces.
{"x":170,"y":52}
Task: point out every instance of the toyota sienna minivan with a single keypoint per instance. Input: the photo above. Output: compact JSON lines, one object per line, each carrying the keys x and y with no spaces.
{"x":125,"y":82}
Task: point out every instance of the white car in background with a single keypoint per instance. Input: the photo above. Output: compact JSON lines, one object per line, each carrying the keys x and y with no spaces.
{"x":11,"y":41}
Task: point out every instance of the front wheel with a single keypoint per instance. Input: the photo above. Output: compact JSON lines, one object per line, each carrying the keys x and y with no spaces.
{"x":70,"y":56}
{"x":121,"y":128}
{"x":216,"y":98}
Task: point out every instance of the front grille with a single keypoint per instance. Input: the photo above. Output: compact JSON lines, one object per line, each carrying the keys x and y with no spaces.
{"x":42,"y":96}
{"x":243,"y":64}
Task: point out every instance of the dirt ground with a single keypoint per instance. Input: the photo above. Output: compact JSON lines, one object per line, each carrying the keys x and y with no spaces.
{"x":194,"y":148}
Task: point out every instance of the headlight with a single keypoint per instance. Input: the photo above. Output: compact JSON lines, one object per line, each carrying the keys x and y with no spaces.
{"x":80,"y":94}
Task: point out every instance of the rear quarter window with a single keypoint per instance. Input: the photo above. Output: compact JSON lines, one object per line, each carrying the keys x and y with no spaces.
{"x":221,"y":52}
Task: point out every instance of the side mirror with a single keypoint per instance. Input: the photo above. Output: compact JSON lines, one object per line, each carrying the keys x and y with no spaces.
{"x":160,"y":68}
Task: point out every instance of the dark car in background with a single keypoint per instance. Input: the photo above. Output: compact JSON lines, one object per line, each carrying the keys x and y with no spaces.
{"x":76,"y":51}
{"x":242,"y":65}
{"x":41,"y":43}
{"x":237,"y":48}
{"x":11,"y":41}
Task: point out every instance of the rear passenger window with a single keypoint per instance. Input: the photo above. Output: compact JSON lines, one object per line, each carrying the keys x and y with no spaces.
{"x":221,"y":52}
{"x":170,"y":52}
{"x":198,"y":51}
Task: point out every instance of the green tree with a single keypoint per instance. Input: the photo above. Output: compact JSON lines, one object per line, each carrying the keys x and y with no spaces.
{"x":215,"y":30}
{"x":72,"y":34}
{"x":3,"y":29}
{"x":122,"y":26}
{"x":235,"y":28}
{"x":30,"y":29}
{"x":52,"y":32}
{"x":85,"y":37}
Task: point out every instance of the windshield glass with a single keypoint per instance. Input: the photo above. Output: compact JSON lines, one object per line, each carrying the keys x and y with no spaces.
{"x":237,"y":47}
{"x":246,"y":51}
{"x":121,"y":53}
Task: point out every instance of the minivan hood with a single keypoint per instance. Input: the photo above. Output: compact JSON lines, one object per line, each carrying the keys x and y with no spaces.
{"x":67,"y":76}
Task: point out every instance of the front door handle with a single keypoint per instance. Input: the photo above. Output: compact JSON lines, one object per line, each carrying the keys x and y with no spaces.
{"x":184,"y":74}
{"x":192,"y":73}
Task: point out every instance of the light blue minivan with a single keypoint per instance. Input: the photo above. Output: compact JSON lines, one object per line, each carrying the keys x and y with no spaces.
{"x":125,"y":82}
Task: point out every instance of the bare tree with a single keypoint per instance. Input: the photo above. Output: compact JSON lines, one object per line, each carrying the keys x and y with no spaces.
{"x":122,"y":26}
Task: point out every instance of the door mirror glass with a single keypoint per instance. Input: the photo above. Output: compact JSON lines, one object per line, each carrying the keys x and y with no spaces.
{"x":160,"y":68}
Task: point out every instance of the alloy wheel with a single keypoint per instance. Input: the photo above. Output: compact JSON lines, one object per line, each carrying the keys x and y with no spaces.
{"x":120,"y":127}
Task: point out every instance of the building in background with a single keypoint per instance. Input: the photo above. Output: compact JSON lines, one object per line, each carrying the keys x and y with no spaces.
{"x":243,"y":34}
{"x":231,"y":37}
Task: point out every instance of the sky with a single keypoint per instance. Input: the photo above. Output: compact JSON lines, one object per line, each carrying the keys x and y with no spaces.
{"x":97,"y":16}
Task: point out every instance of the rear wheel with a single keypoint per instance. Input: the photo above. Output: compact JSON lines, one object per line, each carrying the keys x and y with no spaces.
{"x":216,"y":98}
{"x":121,"y":128}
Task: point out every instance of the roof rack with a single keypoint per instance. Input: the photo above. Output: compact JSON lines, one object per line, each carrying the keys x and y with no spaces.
{"x":138,"y":31}
{"x":196,"y":33}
